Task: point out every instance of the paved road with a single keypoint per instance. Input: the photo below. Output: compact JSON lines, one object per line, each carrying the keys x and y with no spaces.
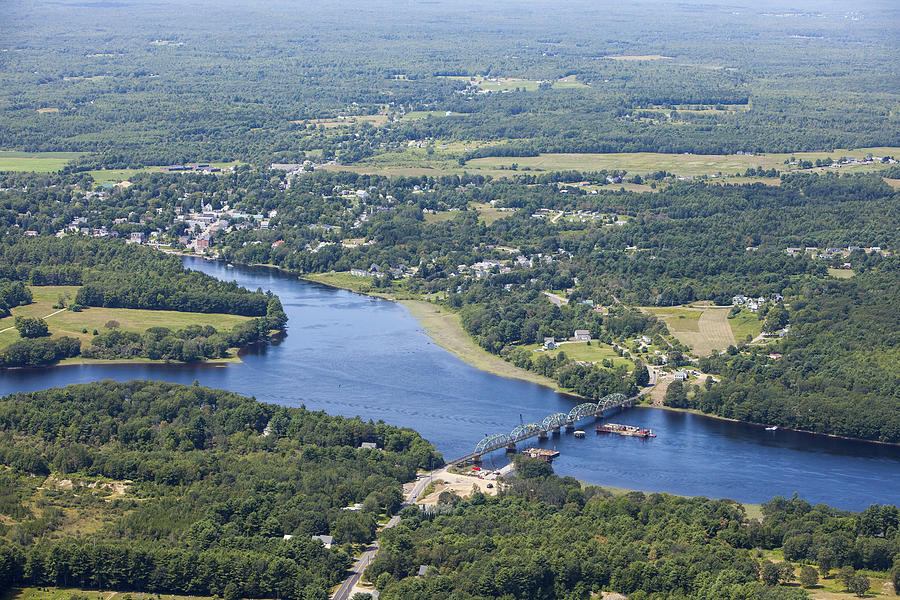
{"x":343,"y":592}
{"x":556,"y":299}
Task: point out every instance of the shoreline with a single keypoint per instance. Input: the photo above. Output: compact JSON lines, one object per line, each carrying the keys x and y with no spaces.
{"x":469,"y":352}
{"x":699,"y":413}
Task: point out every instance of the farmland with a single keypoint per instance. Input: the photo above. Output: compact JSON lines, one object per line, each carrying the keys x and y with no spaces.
{"x":701,"y":329}
{"x":685,"y":165}
{"x":39,"y":162}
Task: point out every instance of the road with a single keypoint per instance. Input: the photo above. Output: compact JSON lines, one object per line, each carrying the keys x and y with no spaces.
{"x":356,"y":571}
{"x":556,"y":299}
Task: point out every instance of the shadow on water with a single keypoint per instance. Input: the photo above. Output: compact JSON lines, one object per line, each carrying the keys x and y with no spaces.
{"x":349,"y":355}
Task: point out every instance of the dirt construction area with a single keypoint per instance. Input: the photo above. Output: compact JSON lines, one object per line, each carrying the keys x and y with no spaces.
{"x":462,"y":485}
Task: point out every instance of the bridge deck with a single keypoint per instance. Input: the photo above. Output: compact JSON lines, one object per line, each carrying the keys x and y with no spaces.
{"x":535,"y":432}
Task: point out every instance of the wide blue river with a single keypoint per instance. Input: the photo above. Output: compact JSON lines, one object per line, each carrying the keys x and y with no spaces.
{"x":351,"y":355}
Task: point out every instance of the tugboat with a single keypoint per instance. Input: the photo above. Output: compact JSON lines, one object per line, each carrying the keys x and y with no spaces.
{"x":627,"y":430}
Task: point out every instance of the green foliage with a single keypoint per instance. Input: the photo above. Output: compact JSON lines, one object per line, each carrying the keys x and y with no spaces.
{"x":31,"y":327}
{"x":217,"y":481}
{"x":809,"y":577}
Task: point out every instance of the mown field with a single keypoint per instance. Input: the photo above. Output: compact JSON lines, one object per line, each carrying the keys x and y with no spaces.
{"x":102,"y":176}
{"x":745,"y":324}
{"x":54,"y":593}
{"x":443,"y":160}
{"x":72,"y":324}
{"x":701,"y":329}
{"x":685,"y":165}
{"x":595,"y":352}
{"x":39,"y":162}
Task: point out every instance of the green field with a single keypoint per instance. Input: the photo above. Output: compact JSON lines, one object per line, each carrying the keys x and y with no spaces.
{"x":678,"y":319}
{"x":702,"y":329}
{"x":418,"y":115}
{"x":594,"y":352}
{"x":54,"y":593}
{"x":744,"y":324}
{"x":102,"y":176}
{"x":443,"y":161}
{"x":841,"y":273}
{"x":686,"y":165}
{"x":71,"y":323}
{"x":39,"y":162}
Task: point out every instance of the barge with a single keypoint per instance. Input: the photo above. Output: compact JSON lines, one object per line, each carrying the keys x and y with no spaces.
{"x":628,"y":430}
{"x":541,"y":454}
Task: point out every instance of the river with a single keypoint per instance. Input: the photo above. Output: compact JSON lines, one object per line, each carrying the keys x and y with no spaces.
{"x":352,"y":355}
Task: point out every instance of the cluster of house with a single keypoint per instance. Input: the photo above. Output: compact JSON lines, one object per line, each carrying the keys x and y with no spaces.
{"x":831,"y":252}
{"x":197,"y":168}
{"x":580,"y":335}
{"x":376,"y":271}
{"x":754,"y":303}
{"x":577,"y":215}
{"x":203,"y":226}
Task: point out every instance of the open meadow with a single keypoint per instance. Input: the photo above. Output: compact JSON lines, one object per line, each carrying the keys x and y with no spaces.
{"x":73,"y":324}
{"x":38,"y":162}
{"x":701,"y":329}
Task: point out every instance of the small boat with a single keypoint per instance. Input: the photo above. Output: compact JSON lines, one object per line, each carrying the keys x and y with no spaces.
{"x":230,"y":266}
{"x":579,"y":434}
{"x":772,"y":428}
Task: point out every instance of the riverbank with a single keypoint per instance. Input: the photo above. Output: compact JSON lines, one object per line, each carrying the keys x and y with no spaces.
{"x":444,"y":327}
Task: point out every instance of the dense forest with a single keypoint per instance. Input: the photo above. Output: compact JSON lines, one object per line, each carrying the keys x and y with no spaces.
{"x":836,"y":371}
{"x":193,"y":490}
{"x":160,"y":88}
{"x":551,"y":538}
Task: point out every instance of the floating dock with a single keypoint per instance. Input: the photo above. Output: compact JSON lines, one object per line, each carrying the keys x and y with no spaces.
{"x":627,"y":430}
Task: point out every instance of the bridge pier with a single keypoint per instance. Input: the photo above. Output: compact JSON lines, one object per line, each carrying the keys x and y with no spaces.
{"x":555,"y":430}
{"x":570,"y":427}
{"x":477,"y":460}
{"x":543,"y":435}
{"x":511,"y":448}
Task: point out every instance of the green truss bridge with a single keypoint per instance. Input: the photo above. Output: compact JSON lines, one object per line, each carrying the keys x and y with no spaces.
{"x":552,"y":424}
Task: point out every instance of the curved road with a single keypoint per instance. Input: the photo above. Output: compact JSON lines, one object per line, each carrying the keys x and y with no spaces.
{"x":356,"y":571}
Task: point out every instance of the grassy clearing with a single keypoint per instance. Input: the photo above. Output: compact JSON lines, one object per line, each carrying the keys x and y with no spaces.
{"x":102,"y":176}
{"x":38,"y":162}
{"x":596,"y":352}
{"x":639,"y":57}
{"x":54,"y":593}
{"x":487,"y":214}
{"x":841,"y":273}
{"x":679,"y":319}
{"x":440,"y":217}
{"x":745,"y":324}
{"x":345,"y":121}
{"x":894,"y":183}
{"x":686,"y":165}
{"x":701,"y":329}
{"x":419,"y":115}
{"x":72,"y":323}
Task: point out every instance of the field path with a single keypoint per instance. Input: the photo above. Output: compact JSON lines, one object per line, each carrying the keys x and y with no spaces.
{"x":47,"y":317}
